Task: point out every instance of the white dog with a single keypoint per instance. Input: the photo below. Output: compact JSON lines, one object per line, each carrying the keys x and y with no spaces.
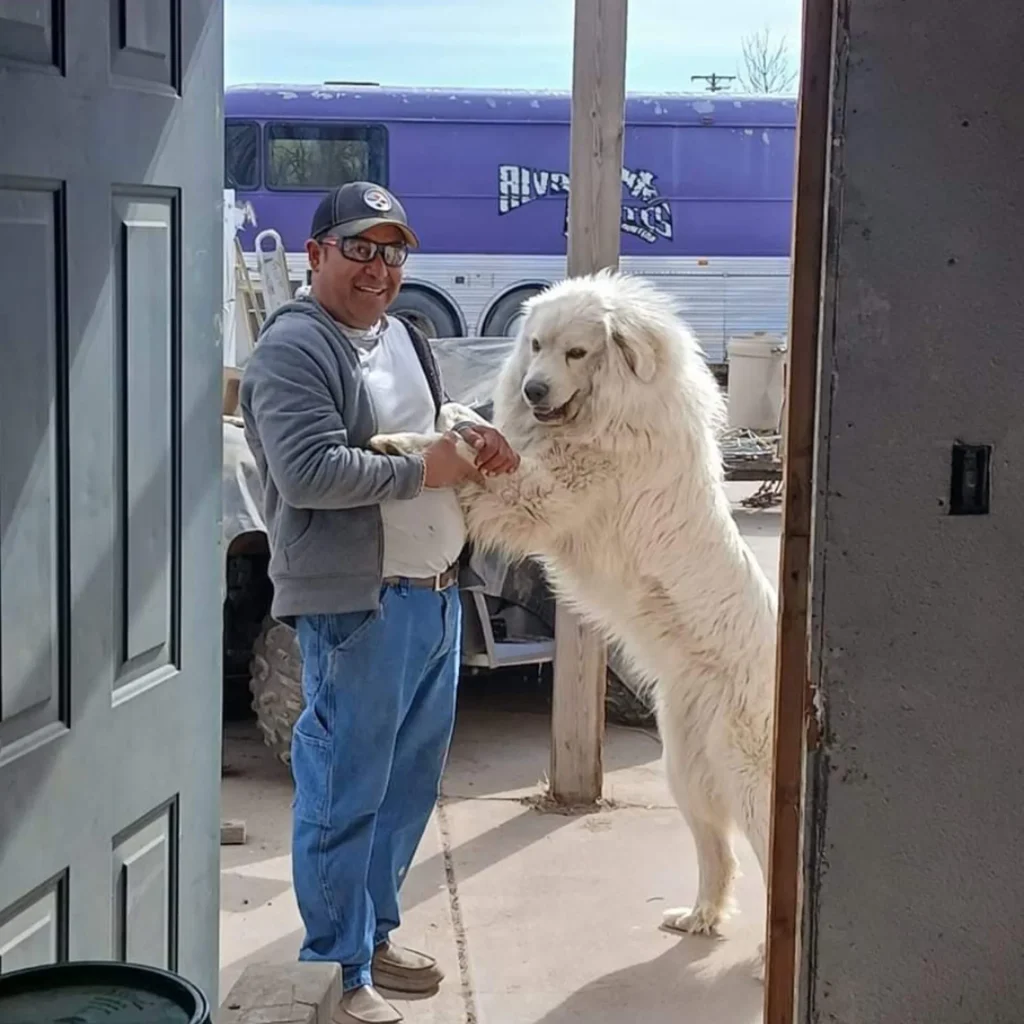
{"x":615,"y":414}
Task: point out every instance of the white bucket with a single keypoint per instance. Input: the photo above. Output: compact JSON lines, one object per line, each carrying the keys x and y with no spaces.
{"x":756,"y":369}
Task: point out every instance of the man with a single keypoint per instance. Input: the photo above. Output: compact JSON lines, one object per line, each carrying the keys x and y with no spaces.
{"x":364,"y":549}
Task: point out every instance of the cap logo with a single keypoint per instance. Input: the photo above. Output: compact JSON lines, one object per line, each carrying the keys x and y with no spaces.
{"x":375,"y":199}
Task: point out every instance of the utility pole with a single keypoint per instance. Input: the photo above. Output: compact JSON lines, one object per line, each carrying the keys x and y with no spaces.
{"x":595,"y":219}
{"x":713,"y":80}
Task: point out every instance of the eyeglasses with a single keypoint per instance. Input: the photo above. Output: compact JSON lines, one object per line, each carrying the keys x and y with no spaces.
{"x":363,"y":250}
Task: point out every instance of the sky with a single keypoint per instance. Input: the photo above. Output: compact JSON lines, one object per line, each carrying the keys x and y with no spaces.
{"x":523,"y":44}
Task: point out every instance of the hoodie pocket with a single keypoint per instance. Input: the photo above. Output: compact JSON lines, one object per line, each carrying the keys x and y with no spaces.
{"x":299,"y":526}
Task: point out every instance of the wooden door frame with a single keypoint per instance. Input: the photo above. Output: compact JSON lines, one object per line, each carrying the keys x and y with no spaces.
{"x":797,"y":732}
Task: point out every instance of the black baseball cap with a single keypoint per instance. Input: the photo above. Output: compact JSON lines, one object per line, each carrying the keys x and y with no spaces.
{"x":356,"y":207}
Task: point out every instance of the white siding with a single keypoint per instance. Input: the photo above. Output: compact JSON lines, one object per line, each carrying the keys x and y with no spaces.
{"x":719,"y":296}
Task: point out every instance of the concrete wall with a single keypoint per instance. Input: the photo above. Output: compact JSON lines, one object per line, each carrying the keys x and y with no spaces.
{"x":916,"y":889}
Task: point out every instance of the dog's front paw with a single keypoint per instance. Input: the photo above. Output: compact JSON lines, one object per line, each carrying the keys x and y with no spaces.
{"x":701,"y":920}
{"x":398,"y":444}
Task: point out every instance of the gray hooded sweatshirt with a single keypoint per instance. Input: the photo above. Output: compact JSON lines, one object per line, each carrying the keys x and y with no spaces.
{"x":308,"y":416}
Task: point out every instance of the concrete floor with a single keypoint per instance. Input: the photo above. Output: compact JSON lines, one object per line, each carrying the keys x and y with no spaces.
{"x":537,"y":918}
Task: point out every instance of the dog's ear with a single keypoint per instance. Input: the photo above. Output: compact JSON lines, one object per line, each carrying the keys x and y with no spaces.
{"x":636,"y":349}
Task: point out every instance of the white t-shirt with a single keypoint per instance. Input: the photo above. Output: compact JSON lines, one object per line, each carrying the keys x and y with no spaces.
{"x":424,"y":535}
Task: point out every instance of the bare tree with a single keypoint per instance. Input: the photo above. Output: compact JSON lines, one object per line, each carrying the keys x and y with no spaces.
{"x":768,"y":66}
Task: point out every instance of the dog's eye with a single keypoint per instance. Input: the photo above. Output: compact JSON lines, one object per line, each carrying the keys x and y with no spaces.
{"x":535,"y":345}
{"x":576,"y":353}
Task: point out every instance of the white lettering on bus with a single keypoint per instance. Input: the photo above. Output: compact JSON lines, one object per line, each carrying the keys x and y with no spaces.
{"x":519,"y":185}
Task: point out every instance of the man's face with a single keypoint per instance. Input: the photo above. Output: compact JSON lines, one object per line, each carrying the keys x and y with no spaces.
{"x":355,"y":293}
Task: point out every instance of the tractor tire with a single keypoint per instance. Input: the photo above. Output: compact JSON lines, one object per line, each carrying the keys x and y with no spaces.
{"x":625,"y":702}
{"x":624,"y":707}
{"x":276,"y":685}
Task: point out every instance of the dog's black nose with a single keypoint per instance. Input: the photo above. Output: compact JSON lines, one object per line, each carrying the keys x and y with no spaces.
{"x":535,"y":391}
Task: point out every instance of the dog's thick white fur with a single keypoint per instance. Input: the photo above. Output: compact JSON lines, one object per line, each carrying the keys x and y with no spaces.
{"x":620,"y":496}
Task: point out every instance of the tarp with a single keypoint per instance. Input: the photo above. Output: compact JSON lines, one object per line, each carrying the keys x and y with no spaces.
{"x":470,"y":366}
{"x":242,"y":497}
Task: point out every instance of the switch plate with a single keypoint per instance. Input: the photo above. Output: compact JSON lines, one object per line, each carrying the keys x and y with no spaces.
{"x":971,"y":482}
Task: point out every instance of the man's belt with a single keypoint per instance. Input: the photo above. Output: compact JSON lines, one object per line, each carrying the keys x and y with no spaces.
{"x":442,"y":581}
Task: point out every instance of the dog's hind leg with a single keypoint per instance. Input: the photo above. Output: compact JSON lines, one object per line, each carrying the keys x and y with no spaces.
{"x":706,"y":811}
{"x":752,"y":801}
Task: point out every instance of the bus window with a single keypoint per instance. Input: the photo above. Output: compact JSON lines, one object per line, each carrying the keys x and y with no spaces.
{"x":241,"y":155}
{"x":321,"y":156}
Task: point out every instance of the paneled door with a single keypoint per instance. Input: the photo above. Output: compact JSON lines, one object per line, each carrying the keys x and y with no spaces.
{"x":111,"y":174}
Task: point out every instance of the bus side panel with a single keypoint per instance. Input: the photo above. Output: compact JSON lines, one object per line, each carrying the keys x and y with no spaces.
{"x":477,"y":188}
{"x":500,"y":189}
{"x":730,"y":189}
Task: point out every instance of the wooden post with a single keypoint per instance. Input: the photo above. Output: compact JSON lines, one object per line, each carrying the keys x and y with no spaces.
{"x":795,"y":718}
{"x":595,"y":212}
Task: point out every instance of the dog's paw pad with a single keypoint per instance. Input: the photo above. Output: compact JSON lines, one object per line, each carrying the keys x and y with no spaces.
{"x":384,"y":445}
{"x":695,"y":921}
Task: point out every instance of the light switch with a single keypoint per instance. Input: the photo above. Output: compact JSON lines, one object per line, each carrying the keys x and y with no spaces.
{"x":971,"y":480}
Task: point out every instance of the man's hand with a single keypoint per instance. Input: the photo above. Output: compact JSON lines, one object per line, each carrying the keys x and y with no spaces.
{"x":494,"y":455}
{"x":445,"y":467}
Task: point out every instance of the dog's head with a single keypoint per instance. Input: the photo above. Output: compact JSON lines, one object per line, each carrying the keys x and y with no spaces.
{"x":573,"y":336}
{"x":596,"y":352}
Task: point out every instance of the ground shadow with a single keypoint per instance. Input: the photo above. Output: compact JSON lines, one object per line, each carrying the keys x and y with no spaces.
{"x":681,"y":986}
{"x":282,"y":950}
{"x":502,"y":744}
{"x":479,"y":853}
{"x":248,"y":760}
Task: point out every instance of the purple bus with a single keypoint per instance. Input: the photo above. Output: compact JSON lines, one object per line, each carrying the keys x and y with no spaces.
{"x":707,"y":192}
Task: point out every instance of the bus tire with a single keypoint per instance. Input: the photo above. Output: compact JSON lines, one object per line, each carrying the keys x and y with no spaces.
{"x":430,"y":313}
{"x":501,"y":319}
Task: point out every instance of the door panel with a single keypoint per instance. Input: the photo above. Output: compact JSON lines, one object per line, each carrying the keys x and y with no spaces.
{"x":145,"y":292}
{"x":35,"y":930}
{"x":32,"y":572}
{"x":145,"y":863}
{"x":28,"y":32}
{"x":110,"y":451}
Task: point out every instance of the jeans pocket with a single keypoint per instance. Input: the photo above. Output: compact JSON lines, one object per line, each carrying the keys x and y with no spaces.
{"x":312,"y":770}
{"x":344,"y":630}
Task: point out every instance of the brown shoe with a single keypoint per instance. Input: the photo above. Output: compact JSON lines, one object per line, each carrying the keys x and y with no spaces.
{"x":405,"y":970}
{"x":367,"y":1006}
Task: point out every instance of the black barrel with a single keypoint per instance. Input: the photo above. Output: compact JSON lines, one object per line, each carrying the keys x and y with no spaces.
{"x":100,"y":992}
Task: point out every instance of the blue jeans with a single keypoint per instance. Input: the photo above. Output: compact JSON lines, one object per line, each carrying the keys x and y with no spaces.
{"x":368,"y":752}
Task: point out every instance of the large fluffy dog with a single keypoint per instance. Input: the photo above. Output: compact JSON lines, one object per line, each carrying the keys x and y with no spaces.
{"x":620,"y":495}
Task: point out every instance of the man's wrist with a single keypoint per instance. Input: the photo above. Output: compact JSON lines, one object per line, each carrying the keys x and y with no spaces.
{"x":421,"y":479}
